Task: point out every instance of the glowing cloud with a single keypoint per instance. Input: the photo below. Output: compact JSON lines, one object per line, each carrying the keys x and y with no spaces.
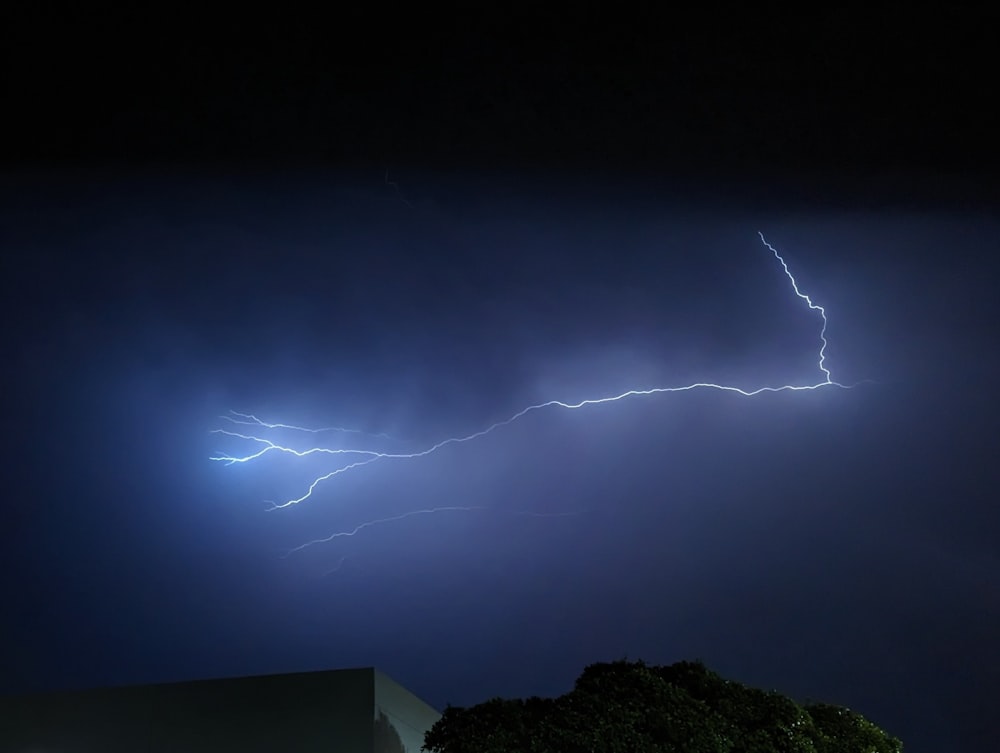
{"x":354,"y":458}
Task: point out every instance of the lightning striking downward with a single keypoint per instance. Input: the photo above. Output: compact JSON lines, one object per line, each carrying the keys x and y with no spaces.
{"x":353,"y":458}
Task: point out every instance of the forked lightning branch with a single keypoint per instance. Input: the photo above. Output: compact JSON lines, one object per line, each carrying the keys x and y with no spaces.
{"x":260,"y":435}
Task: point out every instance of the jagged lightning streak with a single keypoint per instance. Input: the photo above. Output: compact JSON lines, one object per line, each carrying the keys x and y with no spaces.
{"x":360,"y":457}
{"x":248,"y":419}
{"x":381,"y":521}
{"x":412,"y":513}
{"x":814,"y":307}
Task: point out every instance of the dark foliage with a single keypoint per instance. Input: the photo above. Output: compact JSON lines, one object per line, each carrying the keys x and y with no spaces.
{"x":622,"y":707}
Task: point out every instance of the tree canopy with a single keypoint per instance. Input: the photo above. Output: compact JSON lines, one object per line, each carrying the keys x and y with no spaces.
{"x":625,"y":707}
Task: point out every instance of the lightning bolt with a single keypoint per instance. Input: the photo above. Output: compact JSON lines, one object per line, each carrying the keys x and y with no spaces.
{"x":353,"y":458}
{"x":412,"y":513}
{"x":380,"y":521}
{"x":248,"y":419}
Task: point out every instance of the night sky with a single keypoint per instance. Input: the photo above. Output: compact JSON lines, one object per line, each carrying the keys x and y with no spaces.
{"x":416,"y":234}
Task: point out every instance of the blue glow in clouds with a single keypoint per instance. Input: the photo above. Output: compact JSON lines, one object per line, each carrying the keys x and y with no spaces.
{"x":353,"y":458}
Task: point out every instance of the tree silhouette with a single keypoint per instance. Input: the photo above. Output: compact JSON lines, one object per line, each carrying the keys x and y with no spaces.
{"x":622,"y":707}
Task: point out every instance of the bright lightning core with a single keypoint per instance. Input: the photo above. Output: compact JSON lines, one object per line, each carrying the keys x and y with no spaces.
{"x":251,"y":430}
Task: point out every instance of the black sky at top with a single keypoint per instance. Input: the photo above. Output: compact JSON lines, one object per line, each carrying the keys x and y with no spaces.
{"x":837,"y":91}
{"x":175,"y":236}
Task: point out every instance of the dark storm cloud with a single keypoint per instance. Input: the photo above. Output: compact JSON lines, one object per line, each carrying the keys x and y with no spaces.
{"x":834,"y":544}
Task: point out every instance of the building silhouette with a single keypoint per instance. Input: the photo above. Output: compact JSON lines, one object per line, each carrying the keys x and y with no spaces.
{"x":341,"y":711}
